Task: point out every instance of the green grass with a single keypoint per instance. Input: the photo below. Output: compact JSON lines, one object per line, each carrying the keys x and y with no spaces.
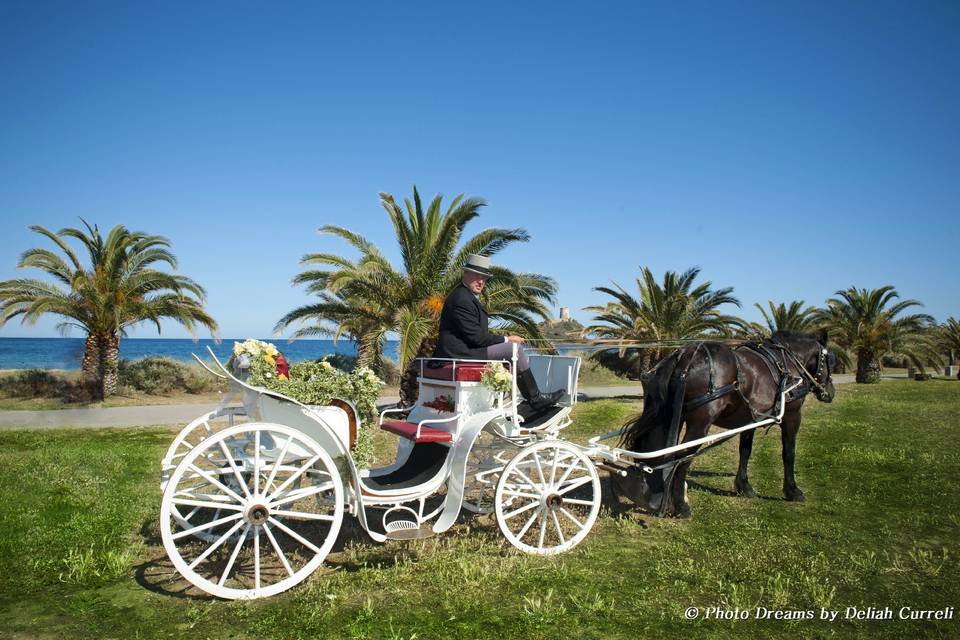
{"x":124,"y":399}
{"x":79,"y":555}
{"x":593,"y":375}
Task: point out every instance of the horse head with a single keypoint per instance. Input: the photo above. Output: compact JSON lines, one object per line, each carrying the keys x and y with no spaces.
{"x":815,"y":358}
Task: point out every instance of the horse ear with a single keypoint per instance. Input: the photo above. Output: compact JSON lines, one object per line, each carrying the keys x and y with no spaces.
{"x":822,"y":338}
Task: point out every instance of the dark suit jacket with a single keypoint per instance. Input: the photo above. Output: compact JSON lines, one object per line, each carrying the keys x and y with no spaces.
{"x":463,"y":327}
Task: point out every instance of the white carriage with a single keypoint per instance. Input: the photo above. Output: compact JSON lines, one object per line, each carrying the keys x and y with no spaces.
{"x":254,"y":494}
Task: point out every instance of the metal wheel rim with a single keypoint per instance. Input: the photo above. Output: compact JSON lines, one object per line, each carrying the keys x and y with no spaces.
{"x":277,"y":532}
{"x":548,"y":498}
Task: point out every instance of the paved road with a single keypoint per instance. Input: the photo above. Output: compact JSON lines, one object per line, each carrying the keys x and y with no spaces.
{"x":181,"y":414}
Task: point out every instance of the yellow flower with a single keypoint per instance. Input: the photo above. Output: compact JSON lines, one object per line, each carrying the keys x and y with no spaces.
{"x":280,"y":376}
{"x":237,"y":348}
{"x":269,"y":359}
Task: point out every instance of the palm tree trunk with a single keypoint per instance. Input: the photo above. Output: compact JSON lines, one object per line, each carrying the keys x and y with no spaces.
{"x":868,"y":367}
{"x":91,"y":358}
{"x":109,"y":363}
{"x":409,"y":387}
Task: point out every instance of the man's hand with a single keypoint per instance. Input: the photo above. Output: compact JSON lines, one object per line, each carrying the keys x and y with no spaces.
{"x":516,"y":339}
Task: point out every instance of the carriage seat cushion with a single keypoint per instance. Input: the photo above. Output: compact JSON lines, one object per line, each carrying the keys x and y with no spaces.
{"x":408,"y":430}
{"x":465,"y":372}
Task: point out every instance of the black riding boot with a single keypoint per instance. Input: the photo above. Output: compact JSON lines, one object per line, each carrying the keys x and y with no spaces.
{"x":527,"y":385}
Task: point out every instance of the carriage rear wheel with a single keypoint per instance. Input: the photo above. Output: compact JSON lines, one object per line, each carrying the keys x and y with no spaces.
{"x":251,"y":511}
{"x":548,"y":498}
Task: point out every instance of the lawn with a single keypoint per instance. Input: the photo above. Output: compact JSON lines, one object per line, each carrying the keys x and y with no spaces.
{"x":80,"y":555}
{"x":124,"y":399}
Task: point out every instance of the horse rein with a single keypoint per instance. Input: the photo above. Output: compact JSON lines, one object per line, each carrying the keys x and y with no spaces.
{"x":819,"y":388}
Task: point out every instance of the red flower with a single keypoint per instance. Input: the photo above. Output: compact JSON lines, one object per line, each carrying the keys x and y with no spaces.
{"x":283,"y":367}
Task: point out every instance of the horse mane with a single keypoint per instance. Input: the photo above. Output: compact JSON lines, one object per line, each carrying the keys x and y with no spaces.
{"x":787,"y":334}
{"x":655,"y":404}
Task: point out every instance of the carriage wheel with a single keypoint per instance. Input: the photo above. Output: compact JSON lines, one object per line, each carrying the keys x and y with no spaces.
{"x":548,"y":498}
{"x":265,"y":505}
{"x":188,"y":438}
{"x":483,"y":463}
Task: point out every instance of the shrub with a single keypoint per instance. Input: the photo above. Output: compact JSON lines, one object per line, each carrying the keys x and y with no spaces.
{"x":159,"y":376}
{"x":387,"y":370}
{"x":341,"y":361}
{"x":40,"y":383}
{"x":33,"y":383}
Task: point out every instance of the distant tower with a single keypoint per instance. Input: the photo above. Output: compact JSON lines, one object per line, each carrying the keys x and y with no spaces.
{"x":564,"y":313}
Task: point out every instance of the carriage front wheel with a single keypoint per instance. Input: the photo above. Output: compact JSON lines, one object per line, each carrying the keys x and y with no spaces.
{"x":268,"y":501}
{"x":548,"y":498}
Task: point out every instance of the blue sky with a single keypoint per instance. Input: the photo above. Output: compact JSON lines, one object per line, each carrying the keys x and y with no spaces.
{"x":788,"y":149}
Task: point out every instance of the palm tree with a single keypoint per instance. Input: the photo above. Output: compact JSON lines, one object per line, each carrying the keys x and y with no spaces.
{"x":368,"y":299}
{"x":783,"y":318}
{"x":949,"y":339}
{"x":866,"y":322}
{"x":795,"y":317}
{"x":118,"y":289}
{"x":662,"y":314}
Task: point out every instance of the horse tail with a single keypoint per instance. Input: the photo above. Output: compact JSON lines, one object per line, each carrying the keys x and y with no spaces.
{"x":658,"y":405}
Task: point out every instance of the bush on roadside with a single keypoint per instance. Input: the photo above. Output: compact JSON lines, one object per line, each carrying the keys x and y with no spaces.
{"x":40,"y":383}
{"x":341,"y":361}
{"x":160,"y":376}
{"x":32,"y":383}
{"x":387,"y":370}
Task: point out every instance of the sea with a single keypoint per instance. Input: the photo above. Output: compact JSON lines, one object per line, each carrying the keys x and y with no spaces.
{"x":66,"y":353}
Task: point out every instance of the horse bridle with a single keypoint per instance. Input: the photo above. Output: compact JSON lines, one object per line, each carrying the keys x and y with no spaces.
{"x":825,"y":362}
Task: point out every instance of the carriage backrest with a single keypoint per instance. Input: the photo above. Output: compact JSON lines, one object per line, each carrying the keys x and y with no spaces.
{"x":557,"y":372}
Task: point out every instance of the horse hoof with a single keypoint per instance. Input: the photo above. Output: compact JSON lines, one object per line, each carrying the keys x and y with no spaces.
{"x":744,"y":490}
{"x":795,"y":496}
{"x":682,"y":512}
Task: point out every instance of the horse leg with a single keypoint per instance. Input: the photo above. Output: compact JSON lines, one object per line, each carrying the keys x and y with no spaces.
{"x":742,"y":483}
{"x":788,"y":436}
{"x":677,"y":489}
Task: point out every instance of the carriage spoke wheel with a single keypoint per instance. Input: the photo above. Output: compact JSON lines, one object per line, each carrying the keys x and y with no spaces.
{"x":548,"y":498}
{"x":251,"y":511}
{"x":188,"y":438}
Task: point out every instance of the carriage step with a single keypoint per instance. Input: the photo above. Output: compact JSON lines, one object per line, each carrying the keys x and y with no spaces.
{"x":408,"y":430}
{"x":407,"y":530}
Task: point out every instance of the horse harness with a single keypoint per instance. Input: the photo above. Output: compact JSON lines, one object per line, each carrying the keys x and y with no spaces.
{"x":776,"y":357}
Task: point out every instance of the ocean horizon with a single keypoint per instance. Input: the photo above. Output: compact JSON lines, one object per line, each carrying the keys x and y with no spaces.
{"x":67,"y":353}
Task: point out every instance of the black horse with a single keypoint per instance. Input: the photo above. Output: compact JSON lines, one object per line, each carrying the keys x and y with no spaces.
{"x":712,"y":383}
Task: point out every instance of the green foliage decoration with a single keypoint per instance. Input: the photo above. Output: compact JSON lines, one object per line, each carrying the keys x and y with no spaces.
{"x":317,"y":383}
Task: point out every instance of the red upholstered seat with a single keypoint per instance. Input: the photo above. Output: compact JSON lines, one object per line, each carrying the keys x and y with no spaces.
{"x":466,"y":371}
{"x":408,"y":430}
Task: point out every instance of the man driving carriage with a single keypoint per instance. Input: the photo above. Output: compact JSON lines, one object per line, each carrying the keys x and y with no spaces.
{"x":464,"y":333}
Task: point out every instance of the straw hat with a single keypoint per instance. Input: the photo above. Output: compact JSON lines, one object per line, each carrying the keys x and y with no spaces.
{"x":478,"y":264}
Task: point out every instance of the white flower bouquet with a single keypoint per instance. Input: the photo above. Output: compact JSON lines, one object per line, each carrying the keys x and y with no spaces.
{"x":497,"y":377}
{"x":255,"y":356}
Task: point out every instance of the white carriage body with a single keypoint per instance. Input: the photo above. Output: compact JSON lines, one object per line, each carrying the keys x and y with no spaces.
{"x":253,"y":479}
{"x":282,"y":435}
